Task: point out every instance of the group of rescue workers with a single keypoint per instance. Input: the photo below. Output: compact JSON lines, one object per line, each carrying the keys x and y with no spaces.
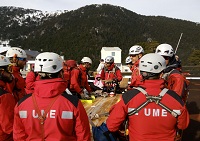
{"x":46,"y":107}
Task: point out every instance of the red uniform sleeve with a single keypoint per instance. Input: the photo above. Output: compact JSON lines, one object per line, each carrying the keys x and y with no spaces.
{"x":135,"y":77}
{"x":103,"y":74}
{"x":119,"y":75}
{"x":18,"y":127}
{"x":75,"y":81}
{"x":183,"y":119}
{"x":117,"y":116}
{"x":19,"y":88}
{"x":82,"y":126}
{"x":87,"y":87}
{"x":7,"y":104}
{"x":176,"y":83}
{"x":30,"y":80}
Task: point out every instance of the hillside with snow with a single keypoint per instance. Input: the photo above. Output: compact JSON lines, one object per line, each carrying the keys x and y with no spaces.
{"x":83,"y":32}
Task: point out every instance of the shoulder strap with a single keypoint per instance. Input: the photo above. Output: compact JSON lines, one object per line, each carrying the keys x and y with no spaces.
{"x":141,"y":90}
{"x":42,"y":117}
{"x":155,"y":99}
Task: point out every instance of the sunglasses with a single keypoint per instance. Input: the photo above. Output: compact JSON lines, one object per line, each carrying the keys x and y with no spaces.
{"x":22,"y":59}
{"x":133,"y":55}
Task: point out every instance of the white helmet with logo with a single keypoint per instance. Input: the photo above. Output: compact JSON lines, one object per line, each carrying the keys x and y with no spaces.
{"x":152,"y":62}
{"x":165,"y":50}
{"x":48,"y":62}
{"x":136,"y":49}
{"x":109,"y":59}
{"x":128,"y":60}
{"x":4,"y":61}
{"x":16,"y":52}
{"x":86,"y":60}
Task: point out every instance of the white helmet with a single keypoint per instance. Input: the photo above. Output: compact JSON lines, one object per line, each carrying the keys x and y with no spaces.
{"x":136,"y":49}
{"x":4,"y":61}
{"x":86,"y":60}
{"x":109,"y":59}
{"x":48,"y":62}
{"x":16,"y":52}
{"x":152,"y":62}
{"x":165,"y":50}
{"x":128,"y":60}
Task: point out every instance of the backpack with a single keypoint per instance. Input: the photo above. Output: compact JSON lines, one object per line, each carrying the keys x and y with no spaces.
{"x":101,"y":133}
{"x":69,"y":65}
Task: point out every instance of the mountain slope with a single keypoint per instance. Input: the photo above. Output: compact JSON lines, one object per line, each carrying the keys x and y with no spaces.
{"x":83,"y":32}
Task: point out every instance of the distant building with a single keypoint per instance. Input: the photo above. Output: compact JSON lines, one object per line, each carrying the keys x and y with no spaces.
{"x":31,"y":54}
{"x":112,"y":51}
{"x":116,"y":53}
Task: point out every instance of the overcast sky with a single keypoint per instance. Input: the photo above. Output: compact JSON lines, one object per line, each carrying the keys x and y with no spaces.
{"x":179,"y":9}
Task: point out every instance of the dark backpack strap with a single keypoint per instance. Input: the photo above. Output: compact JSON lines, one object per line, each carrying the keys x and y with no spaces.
{"x":155,"y":99}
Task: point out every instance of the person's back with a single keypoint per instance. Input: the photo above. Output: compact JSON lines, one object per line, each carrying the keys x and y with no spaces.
{"x":50,"y":113}
{"x":152,"y":121}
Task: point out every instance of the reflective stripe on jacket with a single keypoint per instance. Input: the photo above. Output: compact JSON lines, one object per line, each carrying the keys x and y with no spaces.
{"x":66,"y":119}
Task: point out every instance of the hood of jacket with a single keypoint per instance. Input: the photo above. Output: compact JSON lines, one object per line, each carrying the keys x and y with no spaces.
{"x":49,"y":87}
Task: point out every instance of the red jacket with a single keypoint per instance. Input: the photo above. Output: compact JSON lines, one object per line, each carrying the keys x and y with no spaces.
{"x":7,"y":104}
{"x":175,"y":81}
{"x":30,"y":80}
{"x":136,"y":78}
{"x":19,"y":89}
{"x":152,"y":123}
{"x":66,"y":120}
{"x":75,"y":81}
{"x":111,"y":73}
{"x":84,"y":79}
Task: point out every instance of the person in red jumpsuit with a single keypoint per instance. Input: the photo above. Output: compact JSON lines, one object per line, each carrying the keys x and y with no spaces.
{"x":111,"y":74}
{"x":128,"y":62}
{"x":31,"y":77}
{"x":152,"y":122}
{"x":50,"y":113}
{"x":174,"y":79}
{"x":7,"y":101}
{"x":135,"y":53}
{"x":79,"y":79}
{"x":17,"y":57}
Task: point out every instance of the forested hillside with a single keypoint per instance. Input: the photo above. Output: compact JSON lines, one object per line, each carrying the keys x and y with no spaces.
{"x":83,"y":32}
